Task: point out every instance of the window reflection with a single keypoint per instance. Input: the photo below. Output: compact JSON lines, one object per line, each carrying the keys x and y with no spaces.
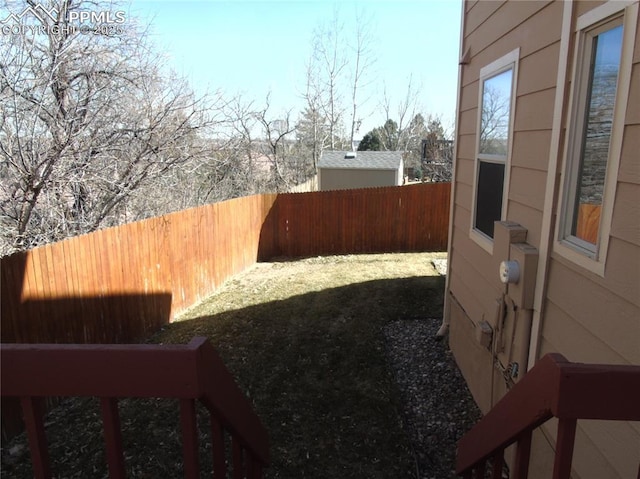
{"x":496,"y":106}
{"x":605,"y":64}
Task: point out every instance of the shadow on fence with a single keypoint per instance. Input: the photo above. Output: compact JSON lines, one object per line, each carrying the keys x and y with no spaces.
{"x":121,"y":284}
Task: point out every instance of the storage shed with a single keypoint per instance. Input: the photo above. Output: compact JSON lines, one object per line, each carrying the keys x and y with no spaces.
{"x":343,"y":170}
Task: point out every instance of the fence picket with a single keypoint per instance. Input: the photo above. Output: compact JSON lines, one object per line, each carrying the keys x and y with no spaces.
{"x":163,"y":265}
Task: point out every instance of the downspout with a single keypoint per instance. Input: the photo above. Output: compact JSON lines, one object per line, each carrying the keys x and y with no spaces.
{"x":463,"y":61}
{"x":551,"y":188}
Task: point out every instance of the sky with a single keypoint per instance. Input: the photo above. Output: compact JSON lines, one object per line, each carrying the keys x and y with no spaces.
{"x":262,"y":46}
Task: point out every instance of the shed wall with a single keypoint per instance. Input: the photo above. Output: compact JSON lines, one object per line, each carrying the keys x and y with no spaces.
{"x":344,"y":179}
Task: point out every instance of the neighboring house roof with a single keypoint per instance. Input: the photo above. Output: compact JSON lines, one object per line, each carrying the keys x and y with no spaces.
{"x":363,"y":160}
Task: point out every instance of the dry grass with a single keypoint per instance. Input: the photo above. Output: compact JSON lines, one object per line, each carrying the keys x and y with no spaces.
{"x":304,"y":340}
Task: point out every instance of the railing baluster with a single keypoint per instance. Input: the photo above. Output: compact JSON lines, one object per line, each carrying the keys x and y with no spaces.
{"x":523,"y":453}
{"x":32,"y":411}
{"x":250,"y":463}
{"x":189,"y":438}
{"x":498,"y":463}
{"x":217,"y":449}
{"x":112,"y":437}
{"x":478,"y":471}
{"x":238,"y":469}
{"x":257,"y":469}
{"x":186,"y":373}
{"x":565,"y":440}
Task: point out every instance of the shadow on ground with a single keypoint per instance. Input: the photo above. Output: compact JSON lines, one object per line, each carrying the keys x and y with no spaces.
{"x":315,"y":367}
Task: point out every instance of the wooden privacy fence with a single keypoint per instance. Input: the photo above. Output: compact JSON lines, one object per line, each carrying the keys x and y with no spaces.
{"x":411,"y":218}
{"x":121,"y":284}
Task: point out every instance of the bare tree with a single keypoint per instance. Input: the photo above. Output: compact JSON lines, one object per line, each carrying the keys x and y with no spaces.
{"x":436,"y":152}
{"x":85,"y":121}
{"x":362,"y":62}
{"x":325,"y":75}
{"x":278,"y":146}
{"x":312,"y":129}
{"x":494,"y":125}
{"x":406,"y":110}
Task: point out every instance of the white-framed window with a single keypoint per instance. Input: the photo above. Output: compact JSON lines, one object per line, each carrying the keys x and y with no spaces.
{"x":496,"y":103}
{"x":600,"y":86}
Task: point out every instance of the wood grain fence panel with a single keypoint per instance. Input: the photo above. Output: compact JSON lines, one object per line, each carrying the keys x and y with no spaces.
{"x":119,"y":285}
{"x":588,"y":222}
{"x":188,"y":254}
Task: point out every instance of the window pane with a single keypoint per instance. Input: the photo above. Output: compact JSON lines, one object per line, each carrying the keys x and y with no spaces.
{"x":489,"y":196}
{"x":496,"y":106}
{"x":596,"y":136}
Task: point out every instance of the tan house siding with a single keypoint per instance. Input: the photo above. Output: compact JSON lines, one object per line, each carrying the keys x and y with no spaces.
{"x":491,"y":30}
{"x":589,"y":318}
{"x":585,"y":314}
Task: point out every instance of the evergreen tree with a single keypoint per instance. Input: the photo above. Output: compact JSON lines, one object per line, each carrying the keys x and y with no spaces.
{"x":370,"y":142}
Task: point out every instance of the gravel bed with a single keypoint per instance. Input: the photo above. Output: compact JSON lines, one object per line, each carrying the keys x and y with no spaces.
{"x":438,"y":407}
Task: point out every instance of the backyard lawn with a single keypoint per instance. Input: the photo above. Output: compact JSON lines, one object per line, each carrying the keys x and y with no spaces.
{"x":305,"y":340}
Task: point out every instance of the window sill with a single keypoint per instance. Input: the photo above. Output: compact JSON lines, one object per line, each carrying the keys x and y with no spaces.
{"x":482,"y":240}
{"x":579,"y":256}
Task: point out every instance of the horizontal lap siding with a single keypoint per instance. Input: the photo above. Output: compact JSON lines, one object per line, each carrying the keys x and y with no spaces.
{"x":493,"y":29}
{"x":586,"y":318}
{"x":607,"y":309}
{"x":589,"y":318}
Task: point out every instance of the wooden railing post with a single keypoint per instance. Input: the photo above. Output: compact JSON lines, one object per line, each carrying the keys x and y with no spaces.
{"x":112,"y":437}
{"x":188,"y":422}
{"x":565,"y":440}
{"x":554,"y":387}
{"x":236,"y":452}
{"x":32,"y":409}
{"x":183,"y":372}
{"x":498,"y":464}
{"x":217,"y":446}
{"x":523,"y":453}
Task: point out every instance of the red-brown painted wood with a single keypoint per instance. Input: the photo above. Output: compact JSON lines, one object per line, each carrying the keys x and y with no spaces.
{"x":564,"y":448}
{"x":257,"y":467}
{"x":218,"y":449}
{"x":523,"y":454}
{"x":112,"y":437}
{"x":188,"y":372}
{"x":553,"y":388}
{"x":235,"y":411}
{"x":249,"y":464}
{"x":188,"y":423}
{"x":498,"y":464}
{"x":237,"y":456}
{"x":99,"y":370}
{"x":32,"y":411}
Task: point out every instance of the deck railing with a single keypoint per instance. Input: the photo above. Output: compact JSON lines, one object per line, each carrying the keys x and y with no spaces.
{"x":184,"y":372}
{"x":557,"y":388}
